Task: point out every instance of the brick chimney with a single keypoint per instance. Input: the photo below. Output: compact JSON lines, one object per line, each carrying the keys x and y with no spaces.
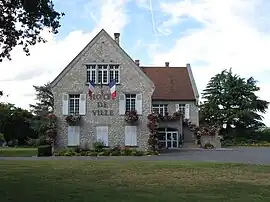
{"x":167,"y":64}
{"x":137,"y":62}
{"x":116,"y":37}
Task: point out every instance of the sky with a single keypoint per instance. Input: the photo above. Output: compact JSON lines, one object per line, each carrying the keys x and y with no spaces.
{"x":211,"y":35}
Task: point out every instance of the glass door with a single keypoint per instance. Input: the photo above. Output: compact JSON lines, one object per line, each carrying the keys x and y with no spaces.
{"x":171,"y":140}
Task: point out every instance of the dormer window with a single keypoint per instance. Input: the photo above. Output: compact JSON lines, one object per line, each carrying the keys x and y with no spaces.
{"x":103,"y":73}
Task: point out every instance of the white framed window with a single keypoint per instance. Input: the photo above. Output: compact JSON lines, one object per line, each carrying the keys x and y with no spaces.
{"x":102,"y":134}
{"x":130,"y":135}
{"x":160,"y":109}
{"x":91,"y":73}
{"x":74,"y":104}
{"x":115,"y":73}
{"x":182,"y":108}
{"x":102,"y":73}
{"x":130,"y":102}
{"x":73,"y":135}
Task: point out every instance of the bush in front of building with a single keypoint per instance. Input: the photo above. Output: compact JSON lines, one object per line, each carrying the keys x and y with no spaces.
{"x":115,"y":151}
{"x":45,"y":150}
{"x":99,"y":146}
{"x":208,"y":146}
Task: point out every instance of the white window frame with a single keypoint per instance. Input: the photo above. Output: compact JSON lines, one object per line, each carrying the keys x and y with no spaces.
{"x":93,"y":72}
{"x":74,"y":98}
{"x":162,"y":108}
{"x":129,"y":98}
{"x":115,"y":70}
{"x":74,"y":136}
{"x":182,"y":108}
{"x":104,"y":69}
{"x":103,"y":128}
{"x":133,"y":136}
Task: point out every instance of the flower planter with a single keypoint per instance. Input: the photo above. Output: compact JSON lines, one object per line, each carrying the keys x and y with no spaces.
{"x":132,"y":117}
{"x":73,"y":120}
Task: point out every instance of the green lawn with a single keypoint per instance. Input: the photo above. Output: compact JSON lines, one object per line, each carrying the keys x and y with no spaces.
{"x":17,"y":152}
{"x":123,"y":181}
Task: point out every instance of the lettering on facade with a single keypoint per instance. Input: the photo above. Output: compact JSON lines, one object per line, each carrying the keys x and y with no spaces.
{"x":103,"y":108}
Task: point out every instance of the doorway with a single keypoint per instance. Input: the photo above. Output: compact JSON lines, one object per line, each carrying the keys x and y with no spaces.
{"x":168,"y":138}
{"x":172,"y":140}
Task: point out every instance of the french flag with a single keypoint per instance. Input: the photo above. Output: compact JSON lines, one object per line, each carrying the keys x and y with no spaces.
{"x":91,"y":88}
{"x":112,"y":86}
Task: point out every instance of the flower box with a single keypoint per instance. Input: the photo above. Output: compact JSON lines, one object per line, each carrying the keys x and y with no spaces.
{"x":73,"y":120}
{"x":131,"y":117}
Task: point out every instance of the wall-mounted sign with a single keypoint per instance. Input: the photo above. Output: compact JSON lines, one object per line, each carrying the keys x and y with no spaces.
{"x":103,"y":108}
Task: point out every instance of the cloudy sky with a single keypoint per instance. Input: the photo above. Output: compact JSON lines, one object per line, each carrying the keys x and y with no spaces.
{"x":211,"y":35}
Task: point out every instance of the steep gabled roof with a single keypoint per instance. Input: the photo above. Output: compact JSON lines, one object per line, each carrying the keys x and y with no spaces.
{"x":171,"y":83}
{"x":87,"y":48}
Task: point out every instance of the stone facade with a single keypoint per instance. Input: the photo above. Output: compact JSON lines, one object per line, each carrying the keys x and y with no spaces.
{"x":73,"y":80}
{"x":132,"y":80}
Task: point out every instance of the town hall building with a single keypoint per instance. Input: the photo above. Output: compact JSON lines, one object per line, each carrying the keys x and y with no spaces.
{"x":162,"y":90}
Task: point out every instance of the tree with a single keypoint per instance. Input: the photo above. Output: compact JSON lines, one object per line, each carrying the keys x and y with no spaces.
{"x":42,"y":108}
{"x":15,"y":124}
{"x":45,"y":104}
{"x":21,"y":22}
{"x":231,"y":100}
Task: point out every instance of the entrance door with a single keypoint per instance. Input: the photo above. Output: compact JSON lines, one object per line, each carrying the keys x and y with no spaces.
{"x":171,"y":140}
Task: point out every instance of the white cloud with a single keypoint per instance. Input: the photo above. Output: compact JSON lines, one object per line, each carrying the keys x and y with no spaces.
{"x":228,"y":38}
{"x":47,"y":60}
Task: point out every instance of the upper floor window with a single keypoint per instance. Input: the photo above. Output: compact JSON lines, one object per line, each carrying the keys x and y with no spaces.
{"x":103,"y":73}
{"x":74,"y":104}
{"x":91,"y":73}
{"x":160,"y":109}
{"x":130,"y":102}
{"x":182,"y":108}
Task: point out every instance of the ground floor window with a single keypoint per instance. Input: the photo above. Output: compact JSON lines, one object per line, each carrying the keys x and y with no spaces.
{"x":102,"y":134}
{"x":131,"y":136}
{"x":168,"y":138}
{"x":73,"y":135}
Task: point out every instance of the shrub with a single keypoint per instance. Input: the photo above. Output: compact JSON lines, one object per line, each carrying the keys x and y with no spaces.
{"x":66,"y":152}
{"x":137,"y":153}
{"x":116,"y":148}
{"x":126,"y":151}
{"x":152,"y":153}
{"x":208,"y":146}
{"x":77,"y":149}
{"x":92,"y":153}
{"x":45,"y":150}
{"x":116,"y":153}
{"x":99,"y":146}
{"x":107,"y":153}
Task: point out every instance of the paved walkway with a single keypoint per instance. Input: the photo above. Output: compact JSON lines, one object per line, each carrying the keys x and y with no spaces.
{"x":235,"y":155}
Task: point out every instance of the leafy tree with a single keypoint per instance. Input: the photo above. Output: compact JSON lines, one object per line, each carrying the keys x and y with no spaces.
{"x":45,"y":100}
{"x":231,"y":100}
{"x":15,"y":124}
{"x":21,"y":22}
{"x":42,"y":108}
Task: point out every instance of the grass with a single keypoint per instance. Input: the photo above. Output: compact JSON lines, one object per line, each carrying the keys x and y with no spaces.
{"x":17,"y":152}
{"x":130,"y":181}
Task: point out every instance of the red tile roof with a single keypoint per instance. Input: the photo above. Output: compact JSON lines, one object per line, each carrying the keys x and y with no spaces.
{"x":171,"y":83}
